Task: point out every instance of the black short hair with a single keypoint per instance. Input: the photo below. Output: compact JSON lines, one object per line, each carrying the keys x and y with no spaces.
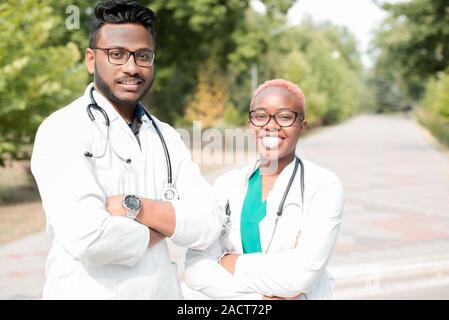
{"x":119,"y":12}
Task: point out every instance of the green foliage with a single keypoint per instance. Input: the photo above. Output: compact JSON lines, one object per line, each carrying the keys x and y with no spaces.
{"x":210,"y":97}
{"x":35,"y":78}
{"x":276,"y":9}
{"x":188,"y":33}
{"x":413,"y":51}
{"x":310,"y":56}
{"x":79,"y":34}
{"x":233,"y":117}
{"x":297,"y":69}
{"x":41,"y":67}
{"x":344,"y":43}
{"x":412,"y":45}
{"x":436,"y":124}
{"x":334,"y":79}
{"x":424,"y":48}
{"x":436,"y":99}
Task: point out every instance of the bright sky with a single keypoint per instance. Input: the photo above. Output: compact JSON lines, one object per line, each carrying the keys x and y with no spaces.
{"x":359,"y":16}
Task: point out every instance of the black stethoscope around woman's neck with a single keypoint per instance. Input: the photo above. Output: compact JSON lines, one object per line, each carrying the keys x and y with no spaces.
{"x":298,"y":162}
{"x":170,"y":192}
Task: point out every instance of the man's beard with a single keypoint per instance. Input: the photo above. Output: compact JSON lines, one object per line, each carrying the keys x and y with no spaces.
{"x":107,"y":92}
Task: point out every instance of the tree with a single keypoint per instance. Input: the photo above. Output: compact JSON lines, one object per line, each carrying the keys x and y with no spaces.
{"x":333,"y":84}
{"x":50,"y":55}
{"x":344,"y":43}
{"x":424,"y":49}
{"x":410,"y":47}
{"x":188,"y":33}
{"x":36,"y":77}
{"x":211,"y":95}
{"x":436,"y":99}
{"x":434,"y":107}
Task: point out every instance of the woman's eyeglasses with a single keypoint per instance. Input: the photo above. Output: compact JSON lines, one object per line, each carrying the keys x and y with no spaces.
{"x":284,"y":118}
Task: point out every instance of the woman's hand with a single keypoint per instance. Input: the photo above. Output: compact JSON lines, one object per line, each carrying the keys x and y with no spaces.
{"x":228,"y":262}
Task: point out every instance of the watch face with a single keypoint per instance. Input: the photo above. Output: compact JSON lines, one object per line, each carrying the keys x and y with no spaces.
{"x":132,"y":202}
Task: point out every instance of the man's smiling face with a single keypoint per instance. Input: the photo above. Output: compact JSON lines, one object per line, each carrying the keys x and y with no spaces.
{"x":123,"y":85}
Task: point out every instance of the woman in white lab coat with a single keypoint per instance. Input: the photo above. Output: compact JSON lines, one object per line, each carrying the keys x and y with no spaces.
{"x":282,"y":213}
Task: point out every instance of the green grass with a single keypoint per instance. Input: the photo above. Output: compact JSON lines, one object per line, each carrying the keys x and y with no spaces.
{"x":18,"y":194}
{"x":436,"y":125}
{"x":17,"y":184}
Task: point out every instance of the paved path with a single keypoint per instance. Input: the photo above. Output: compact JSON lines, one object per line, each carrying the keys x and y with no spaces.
{"x":396,"y":205}
{"x":395,"y":233}
{"x":22,"y":267}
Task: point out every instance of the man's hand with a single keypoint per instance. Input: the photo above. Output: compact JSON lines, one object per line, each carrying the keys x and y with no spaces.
{"x":156,"y":214}
{"x":228,"y":262}
{"x":114,"y":205}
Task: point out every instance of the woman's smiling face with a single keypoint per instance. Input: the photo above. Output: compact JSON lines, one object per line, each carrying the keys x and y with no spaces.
{"x":277,"y":143}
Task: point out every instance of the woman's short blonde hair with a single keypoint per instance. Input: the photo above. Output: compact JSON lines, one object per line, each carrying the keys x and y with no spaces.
{"x":287,"y":85}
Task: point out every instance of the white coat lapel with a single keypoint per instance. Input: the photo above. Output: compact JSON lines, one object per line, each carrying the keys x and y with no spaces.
{"x":274,"y":199}
{"x":121,"y":138}
{"x":155,"y":170}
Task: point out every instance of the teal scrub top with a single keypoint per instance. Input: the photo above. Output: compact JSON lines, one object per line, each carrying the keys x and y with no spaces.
{"x":253,"y":211}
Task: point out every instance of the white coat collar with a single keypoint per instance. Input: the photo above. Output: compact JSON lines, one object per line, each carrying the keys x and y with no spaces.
{"x":253,"y":169}
{"x":280,"y":185}
{"x":116,"y":122}
{"x":107,"y":106}
{"x":103,"y":102}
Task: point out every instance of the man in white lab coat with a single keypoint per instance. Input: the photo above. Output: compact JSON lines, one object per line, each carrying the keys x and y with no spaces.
{"x":102,"y":173}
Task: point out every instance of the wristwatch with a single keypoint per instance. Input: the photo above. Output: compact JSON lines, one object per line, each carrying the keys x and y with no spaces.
{"x":132,"y":205}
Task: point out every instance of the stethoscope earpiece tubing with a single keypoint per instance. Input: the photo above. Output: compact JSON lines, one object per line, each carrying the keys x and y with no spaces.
{"x":88,"y":154}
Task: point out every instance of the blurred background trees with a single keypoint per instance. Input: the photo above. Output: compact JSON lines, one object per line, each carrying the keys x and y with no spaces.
{"x":37,"y":73}
{"x":210,"y":53}
{"x":411,"y":51}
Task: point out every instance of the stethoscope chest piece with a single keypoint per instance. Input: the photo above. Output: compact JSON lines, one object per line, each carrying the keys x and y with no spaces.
{"x":170,"y":194}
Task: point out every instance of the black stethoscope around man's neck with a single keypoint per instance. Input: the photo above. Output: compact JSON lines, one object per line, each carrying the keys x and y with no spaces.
{"x":170,"y":192}
{"x":298,"y":162}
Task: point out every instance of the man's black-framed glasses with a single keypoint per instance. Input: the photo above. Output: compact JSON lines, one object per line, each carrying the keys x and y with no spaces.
{"x":284,"y":118}
{"x":119,"y":56}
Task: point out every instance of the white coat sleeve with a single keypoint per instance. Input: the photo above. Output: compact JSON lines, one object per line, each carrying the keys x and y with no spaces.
{"x":204,"y":274}
{"x":197,"y":212}
{"x":202,"y":269}
{"x":74,"y":202}
{"x":294,"y":271}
